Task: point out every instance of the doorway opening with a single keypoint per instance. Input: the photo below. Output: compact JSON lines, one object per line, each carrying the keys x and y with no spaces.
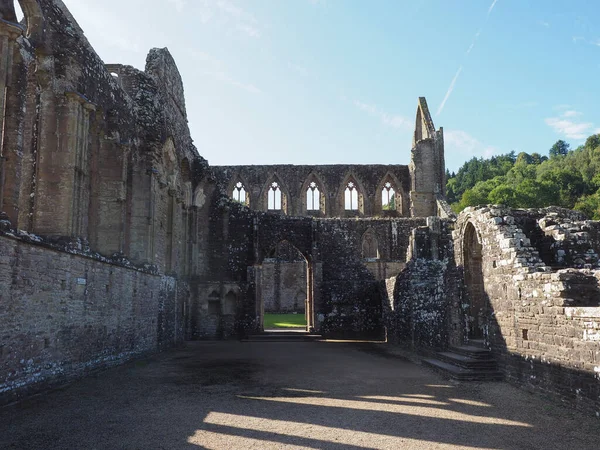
{"x":284,"y":289}
{"x":478,"y":310}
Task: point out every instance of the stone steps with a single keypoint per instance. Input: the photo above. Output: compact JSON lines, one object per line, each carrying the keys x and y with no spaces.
{"x":283,"y":336}
{"x":466,"y":363}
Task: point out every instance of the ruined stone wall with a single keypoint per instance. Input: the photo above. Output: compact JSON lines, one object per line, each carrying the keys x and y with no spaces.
{"x":294,"y":181}
{"x":97,"y":174}
{"x":427,"y":166}
{"x":347,"y":281}
{"x":96,"y":156}
{"x":541,"y":321}
{"x":65,"y":314}
{"x":419,"y":301}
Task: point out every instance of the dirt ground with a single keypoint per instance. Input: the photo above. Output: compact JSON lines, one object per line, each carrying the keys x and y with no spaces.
{"x":260,"y":395}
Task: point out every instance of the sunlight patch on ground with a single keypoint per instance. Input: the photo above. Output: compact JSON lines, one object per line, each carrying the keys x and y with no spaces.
{"x":411,"y":410}
{"x":294,"y":435}
{"x":406,"y":399}
{"x":284,"y":321}
{"x":465,"y":401}
{"x":306,"y":391}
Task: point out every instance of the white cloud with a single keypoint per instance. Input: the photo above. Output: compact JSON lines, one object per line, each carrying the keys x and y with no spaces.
{"x":93,"y":17}
{"x":449,"y":91}
{"x":462,"y":142}
{"x":544,"y":23}
{"x":179,"y":4}
{"x":249,"y":30}
{"x":389,"y":120}
{"x":215,"y":68}
{"x":300,"y":70}
{"x":228,"y":14}
{"x":568,"y":126}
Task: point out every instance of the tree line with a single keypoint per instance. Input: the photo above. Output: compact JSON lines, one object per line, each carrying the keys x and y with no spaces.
{"x":567,"y":178}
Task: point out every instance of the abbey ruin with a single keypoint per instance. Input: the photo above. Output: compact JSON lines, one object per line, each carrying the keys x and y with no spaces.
{"x":117,"y":238}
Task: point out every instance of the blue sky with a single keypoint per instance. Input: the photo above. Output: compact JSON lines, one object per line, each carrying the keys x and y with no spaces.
{"x":337,"y":81}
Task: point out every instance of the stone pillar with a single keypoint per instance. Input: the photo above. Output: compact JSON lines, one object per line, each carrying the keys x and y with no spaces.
{"x":9,"y":32}
{"x":315,"y":277}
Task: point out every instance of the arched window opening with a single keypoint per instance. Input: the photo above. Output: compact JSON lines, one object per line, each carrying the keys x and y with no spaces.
{"x":274,"y":199}
{"x":229,"y":304}
{"x":388,"y":197}
{"x":313,"y":197}
{"x":351,"y":197}
{"x":19,"y":12}
{"x":214,"y":303}
{"x":11,"y":11}
{"x":370,"y":246}
{"x":240,"y":194}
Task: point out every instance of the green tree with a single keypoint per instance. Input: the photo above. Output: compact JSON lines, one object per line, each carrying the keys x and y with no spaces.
{"x":560,"y":148}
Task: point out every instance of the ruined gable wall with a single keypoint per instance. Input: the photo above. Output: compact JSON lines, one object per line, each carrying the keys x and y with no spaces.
{"x":332,"y":180}
{"x":544,"y":324}
{"x":347,"y":287}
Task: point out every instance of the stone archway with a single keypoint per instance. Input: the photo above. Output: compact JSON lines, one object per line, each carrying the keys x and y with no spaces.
{"x":477,"y":311}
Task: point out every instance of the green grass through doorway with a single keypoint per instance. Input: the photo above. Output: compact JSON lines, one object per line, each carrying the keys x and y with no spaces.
{"x":284,"y":321}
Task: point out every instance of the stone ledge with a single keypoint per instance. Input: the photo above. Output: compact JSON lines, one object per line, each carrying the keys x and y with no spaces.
{"x":582,"y":312}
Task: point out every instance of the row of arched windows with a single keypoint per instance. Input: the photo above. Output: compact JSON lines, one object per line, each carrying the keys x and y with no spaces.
{"x":314,"y":196}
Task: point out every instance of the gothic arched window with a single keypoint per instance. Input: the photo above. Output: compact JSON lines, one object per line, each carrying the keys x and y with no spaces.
{"x":388,"y":197}
{"x":351,"y":197}
{"x":274,"y":198}
{"x":313,"y":197}
{"x":370,"y":246}
{"x":240,"y":194}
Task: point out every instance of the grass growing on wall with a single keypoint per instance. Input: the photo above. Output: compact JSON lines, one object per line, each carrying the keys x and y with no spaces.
{"x":284,"y":321}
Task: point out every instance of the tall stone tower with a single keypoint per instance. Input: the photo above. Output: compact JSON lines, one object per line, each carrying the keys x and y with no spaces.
{"x":427,"y":166}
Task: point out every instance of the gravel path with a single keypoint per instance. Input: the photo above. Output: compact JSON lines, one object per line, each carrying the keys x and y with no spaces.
{"x":235,"y":395}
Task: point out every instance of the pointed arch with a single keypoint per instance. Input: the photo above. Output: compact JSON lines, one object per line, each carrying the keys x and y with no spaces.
{"x":351,"y":196}
{"x":474,"y":282}
{"x":214,"y":303}
{"x":31,"y":11}
{"x":274,"y":195}
{"x":230,"y":302}
{"x":239,"y":189}
{"x":389,"y":195}
{"x":314,"y":195}
{"x":370,"y":244}
{"x":424,"y":128}
{"x":186,"y":182}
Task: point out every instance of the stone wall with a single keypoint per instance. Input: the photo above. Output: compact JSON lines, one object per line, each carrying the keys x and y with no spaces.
{"x":331,"y":181}
{"x":420,"y":299}
{"x":541,"y":322}
{"x":347,"y":261}
{"x":284,"y":286}
{"x":65,"y":314}
{"x":97,"y":174}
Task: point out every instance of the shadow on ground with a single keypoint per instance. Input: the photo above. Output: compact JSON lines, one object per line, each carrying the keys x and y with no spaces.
{"x":292,"y":395}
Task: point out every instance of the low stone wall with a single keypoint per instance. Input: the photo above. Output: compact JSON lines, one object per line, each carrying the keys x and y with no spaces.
{"x":63,"y":315}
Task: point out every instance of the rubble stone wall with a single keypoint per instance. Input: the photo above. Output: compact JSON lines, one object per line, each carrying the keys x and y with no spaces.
{"x":541,"y":321}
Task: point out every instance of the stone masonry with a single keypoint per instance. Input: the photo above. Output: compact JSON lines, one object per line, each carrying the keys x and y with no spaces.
{"x":117,"y":238}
